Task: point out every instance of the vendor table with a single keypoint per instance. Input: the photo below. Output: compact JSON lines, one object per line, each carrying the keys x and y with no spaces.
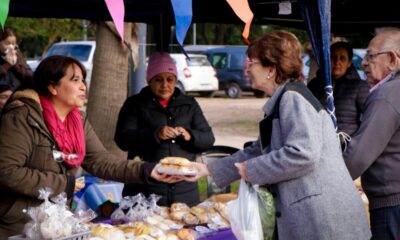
{"x":225,"y":234}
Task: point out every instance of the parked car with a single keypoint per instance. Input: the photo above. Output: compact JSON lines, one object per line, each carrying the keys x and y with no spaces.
{"x":81,"y":50}
{"x":230,"y":63}
{"x":195,"y":74}
{"x":358,"y":55}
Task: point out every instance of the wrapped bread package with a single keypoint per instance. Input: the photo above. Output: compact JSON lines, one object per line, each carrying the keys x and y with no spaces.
{"x":107,"y":232}
{"x":176,"y":166}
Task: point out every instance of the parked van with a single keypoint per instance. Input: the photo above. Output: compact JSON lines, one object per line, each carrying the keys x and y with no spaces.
{"x":230,"y":63}
{"x":195,"y":74}
{"x":81,"y":50}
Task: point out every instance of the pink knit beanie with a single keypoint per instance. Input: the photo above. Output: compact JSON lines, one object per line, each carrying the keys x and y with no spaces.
{"x":160,"y":62}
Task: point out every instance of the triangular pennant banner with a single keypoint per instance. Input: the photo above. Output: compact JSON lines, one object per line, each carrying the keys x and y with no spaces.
{"x":183,"y":18}
{"x":243,"y":11}
{"x":117,"y":12}
{"x":4,"y":7}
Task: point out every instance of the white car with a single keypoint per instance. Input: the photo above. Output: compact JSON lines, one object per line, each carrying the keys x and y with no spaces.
{"x":81,"y":50}
{"x":195,"y":74}
{"x":358,"y":55}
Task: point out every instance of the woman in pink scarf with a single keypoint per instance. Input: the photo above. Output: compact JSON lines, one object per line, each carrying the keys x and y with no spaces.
{"x":44,"y":139}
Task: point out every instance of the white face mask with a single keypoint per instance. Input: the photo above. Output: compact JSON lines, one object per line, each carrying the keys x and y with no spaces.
{"x":10,"y":54}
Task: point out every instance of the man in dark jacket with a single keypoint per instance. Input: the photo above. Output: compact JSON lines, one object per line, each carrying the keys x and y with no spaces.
{"x":159,"y":122}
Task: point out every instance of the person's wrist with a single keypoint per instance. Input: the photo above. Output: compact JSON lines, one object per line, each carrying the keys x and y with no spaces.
{"x":206,"y":172}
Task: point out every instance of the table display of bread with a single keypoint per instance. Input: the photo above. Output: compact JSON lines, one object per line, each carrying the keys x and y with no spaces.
{"x":179,"y":222}
{"x":136,"y":218}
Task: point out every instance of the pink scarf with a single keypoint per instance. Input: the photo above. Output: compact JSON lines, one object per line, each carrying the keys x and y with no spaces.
{"x":69,"y":134}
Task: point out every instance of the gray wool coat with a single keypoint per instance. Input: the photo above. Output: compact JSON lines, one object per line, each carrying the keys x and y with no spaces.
{"x":315,"y":196}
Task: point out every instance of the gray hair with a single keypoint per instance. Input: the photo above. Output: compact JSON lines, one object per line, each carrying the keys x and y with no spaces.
{"x":391,"y":39}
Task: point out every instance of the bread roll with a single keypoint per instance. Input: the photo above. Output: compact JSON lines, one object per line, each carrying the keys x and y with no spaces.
{"x":190,"y":219}
{"x":180,"y":161}
{"x":185,"y":234}
{"x":172,"y":236}
{"x":107,"y":232}
{"x":179,"y":207}
{"x":178,"y":215}
{"x":176,"y":166}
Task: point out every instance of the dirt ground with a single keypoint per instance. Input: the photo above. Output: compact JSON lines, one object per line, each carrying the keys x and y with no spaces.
{"x":234,"y":121}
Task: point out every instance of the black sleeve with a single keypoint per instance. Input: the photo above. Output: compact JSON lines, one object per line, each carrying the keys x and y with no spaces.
{"x":69,"y":190}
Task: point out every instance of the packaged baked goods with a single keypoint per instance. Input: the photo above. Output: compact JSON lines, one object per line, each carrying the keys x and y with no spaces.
{"x":178,"y":215}
{"x":107,"y":232}
{"x":179,"y":207}
{"x":186,"y":234}
{"x":178,"y":211}
{"x":190,"y":219}
{"x":176,"y":166}
{"x":53,"y":219}
{"x":172,"y":236}
{"x":163,"y":212}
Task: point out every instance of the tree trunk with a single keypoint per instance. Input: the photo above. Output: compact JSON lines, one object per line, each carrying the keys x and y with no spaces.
{"x":109,"y":84}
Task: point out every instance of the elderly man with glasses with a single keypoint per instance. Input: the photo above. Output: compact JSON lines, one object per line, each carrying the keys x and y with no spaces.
{"x":374,"y":151}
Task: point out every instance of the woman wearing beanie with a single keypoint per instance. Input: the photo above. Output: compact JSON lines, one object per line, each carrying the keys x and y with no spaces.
{"x":161,"y":121}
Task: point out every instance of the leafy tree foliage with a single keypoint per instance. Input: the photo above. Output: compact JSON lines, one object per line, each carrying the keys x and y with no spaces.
{"x":35,"y":35}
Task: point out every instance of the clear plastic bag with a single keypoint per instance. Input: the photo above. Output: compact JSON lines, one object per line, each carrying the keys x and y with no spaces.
{"x":244,"y":214}
{"x":266,"y":207}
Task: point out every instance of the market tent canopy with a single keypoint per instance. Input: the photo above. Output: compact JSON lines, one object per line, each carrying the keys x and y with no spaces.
{"x":349,"y":17}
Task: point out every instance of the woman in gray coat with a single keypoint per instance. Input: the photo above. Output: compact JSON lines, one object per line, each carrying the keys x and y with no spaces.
{"x":297,"y":154}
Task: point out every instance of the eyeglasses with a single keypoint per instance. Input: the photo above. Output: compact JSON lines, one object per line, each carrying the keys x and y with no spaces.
{"x":369,"y":56}
{"x":251,"y":62}
{"x":59,"y":156}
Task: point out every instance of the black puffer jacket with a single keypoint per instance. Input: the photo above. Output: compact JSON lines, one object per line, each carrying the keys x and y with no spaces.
{"x":350,"y":93}
{"x":139,"y":122}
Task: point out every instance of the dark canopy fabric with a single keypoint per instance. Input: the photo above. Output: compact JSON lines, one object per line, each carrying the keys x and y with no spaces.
{"x":349,"y":17}
{"x":317,"y":17}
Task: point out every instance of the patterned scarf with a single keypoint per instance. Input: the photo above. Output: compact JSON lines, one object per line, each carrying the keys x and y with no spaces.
{"x":69,"y":134}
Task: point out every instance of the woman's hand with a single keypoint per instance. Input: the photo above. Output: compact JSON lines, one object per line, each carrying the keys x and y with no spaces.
{"x":201,"y":169}
{"x":242,"y":170}
{"x":184,"y":133}
{"x":163,"y":177}
{"x":79,"y":184}
{"x":167,"y":132}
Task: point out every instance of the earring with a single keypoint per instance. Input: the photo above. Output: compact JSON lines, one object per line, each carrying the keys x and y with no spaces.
{"x":268,"y":76}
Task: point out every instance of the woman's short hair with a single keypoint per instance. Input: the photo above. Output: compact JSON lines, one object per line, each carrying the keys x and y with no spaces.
{"x":281,"y":49}
{"x":51,"y":70}
{"x":343,"y":45}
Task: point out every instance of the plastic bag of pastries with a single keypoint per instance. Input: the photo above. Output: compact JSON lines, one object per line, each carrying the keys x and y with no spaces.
{"x":190,"y":219}
{"x":107,"y":232}
{"x":186,"y":234}
{"x":178,"y":211}
{"x":200,"y":213}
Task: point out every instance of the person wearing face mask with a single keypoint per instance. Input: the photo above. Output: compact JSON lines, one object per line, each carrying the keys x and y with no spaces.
{"x":14,"y":70}
{"x":159,"y":122}
{"x":349,"y":91}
